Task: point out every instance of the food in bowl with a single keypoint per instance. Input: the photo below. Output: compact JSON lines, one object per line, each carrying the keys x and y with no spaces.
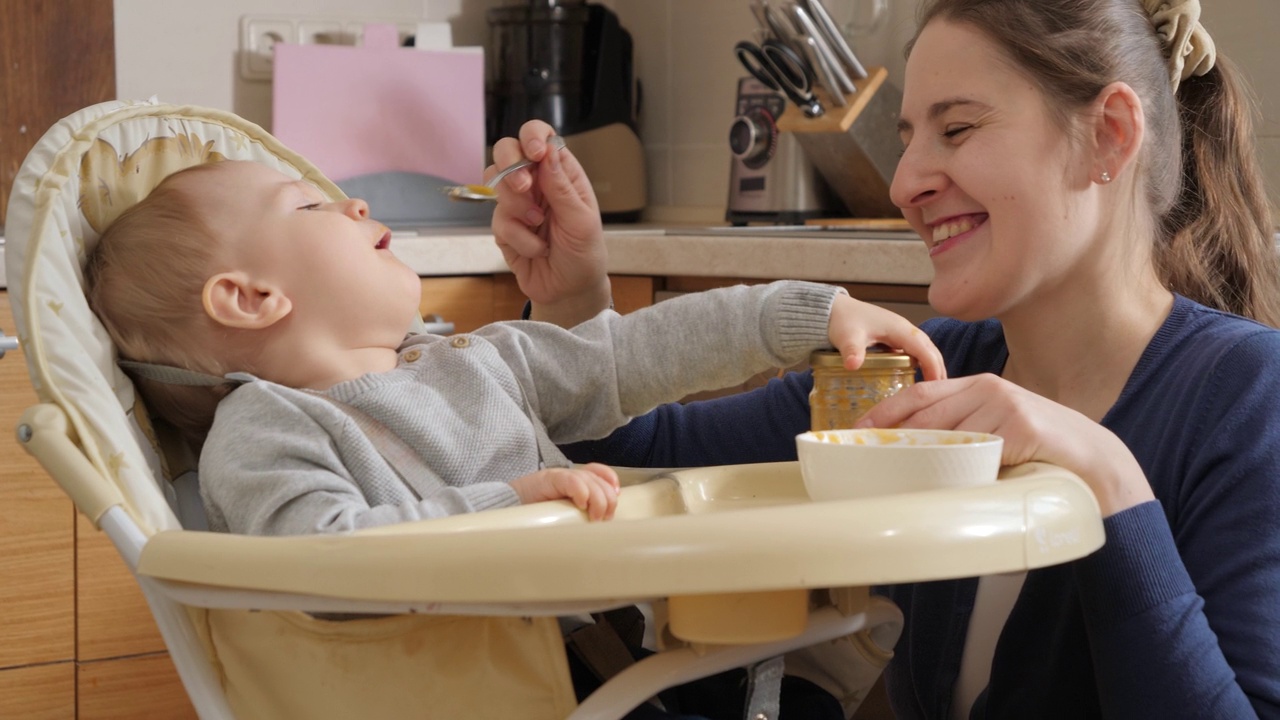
{"x":844,"y":464}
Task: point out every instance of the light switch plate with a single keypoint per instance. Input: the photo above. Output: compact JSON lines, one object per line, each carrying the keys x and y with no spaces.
{"x":259,"y":35}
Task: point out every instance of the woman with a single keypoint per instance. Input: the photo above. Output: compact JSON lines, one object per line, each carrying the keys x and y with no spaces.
{"x":1082,"y":172}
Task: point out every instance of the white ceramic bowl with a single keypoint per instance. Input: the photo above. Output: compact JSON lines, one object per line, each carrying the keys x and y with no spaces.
{"x":843,"y":464}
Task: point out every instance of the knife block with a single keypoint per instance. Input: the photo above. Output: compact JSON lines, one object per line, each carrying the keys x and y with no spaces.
{"x":856,"y":147}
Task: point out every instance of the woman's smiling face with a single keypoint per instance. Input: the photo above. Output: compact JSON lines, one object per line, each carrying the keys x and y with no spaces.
{"x":995,"y":188}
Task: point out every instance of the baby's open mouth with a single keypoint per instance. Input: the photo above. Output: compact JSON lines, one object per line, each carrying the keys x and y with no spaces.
{"x":384,"y":242}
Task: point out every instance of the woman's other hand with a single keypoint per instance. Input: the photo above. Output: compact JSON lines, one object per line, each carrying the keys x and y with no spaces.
{"x":1033,"y":428}
{"x":593,"y":488}
{"x":855,"y":325}
{"x":547,"y":224}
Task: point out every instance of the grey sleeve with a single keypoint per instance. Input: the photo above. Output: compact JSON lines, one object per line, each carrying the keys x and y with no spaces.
{"x":586,"y":382}
{"x":271,"y":468}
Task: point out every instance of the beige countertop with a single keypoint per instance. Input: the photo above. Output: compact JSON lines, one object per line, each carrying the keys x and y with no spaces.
{"x":833,"y":256}
{"x":757,"y":252}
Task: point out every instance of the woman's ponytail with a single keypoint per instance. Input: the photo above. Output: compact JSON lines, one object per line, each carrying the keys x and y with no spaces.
{"x":1218,"y":246}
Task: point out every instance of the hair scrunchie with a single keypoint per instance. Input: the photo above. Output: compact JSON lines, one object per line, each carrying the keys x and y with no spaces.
{"x":1188,"y":45}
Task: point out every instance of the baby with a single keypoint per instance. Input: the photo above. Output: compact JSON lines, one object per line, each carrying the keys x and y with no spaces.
{"x":328,"y":418}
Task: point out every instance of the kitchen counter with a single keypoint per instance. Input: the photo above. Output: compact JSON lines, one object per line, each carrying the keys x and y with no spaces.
{"x":754,"y":252}
{"x":890,"y":258}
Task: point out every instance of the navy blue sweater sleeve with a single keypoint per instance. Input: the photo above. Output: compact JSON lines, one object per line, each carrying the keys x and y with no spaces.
{"x":1181,"y":605}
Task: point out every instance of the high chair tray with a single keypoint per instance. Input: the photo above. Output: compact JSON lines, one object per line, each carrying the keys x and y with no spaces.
{"x":730,"y":529}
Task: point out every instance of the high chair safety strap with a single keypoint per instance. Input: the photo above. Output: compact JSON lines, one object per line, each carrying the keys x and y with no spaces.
{"x":548,"y":454}
{"x":546,"y":448}
{"x":764,"y":689}
{"x":399,"y":455}
{"x":605,"y":645}
{"x":170,"y":375}
{"x":402,"y":458}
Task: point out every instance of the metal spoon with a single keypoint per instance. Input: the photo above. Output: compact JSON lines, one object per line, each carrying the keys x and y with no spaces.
{"x":481,"y":193}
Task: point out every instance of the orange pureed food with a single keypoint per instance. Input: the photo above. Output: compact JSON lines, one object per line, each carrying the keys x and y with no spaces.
{"x":839,"y":396}
{"x":880,"y":436}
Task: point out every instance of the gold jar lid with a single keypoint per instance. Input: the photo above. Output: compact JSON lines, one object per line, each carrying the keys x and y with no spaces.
{"x":873,"y":361}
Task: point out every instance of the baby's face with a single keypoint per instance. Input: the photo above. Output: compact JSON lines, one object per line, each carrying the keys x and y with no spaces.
{"x":332,"y":261}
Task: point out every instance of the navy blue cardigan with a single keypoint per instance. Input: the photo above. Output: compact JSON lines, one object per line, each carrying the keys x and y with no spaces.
{"x":1177,"y":616}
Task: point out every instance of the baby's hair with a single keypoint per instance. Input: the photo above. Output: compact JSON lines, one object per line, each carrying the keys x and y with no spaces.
{"x":144,"y":281}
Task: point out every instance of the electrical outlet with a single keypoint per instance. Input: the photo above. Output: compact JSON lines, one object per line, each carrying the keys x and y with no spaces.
{"x":259,"y":35}
{"x":258,"y":38}
{"x":323,"y":32}
{"x":355,"y":29}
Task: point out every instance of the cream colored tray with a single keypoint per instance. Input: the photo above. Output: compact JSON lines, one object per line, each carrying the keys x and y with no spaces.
{"x":709,"y":539}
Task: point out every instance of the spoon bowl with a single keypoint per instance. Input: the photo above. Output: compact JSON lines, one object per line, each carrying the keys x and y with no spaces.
{"x":488,"y":191}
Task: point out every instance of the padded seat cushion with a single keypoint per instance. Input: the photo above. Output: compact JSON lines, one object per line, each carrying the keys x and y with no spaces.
{"x":85,"y":171}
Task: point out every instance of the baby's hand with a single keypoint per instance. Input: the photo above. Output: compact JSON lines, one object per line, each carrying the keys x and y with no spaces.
{"x":592,"y":487}
{"x":855,"y":325}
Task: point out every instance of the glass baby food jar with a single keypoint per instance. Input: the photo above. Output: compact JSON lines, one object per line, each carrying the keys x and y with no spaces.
{"x":839,"y":396}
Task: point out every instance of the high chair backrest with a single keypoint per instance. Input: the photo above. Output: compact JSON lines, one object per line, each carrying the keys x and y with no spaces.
{"x":85,"y":171}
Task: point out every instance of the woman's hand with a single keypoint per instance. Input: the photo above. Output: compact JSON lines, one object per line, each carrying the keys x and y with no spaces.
{"x":547,"y":224}
{"x":1033,"y":428}
{"x":593,"y":488}
{"x":855,"y":325}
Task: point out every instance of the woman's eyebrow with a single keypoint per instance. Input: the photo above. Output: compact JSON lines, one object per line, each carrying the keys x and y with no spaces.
{"x":938,"y":109}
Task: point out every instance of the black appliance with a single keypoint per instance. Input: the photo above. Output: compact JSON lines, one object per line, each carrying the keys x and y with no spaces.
{"x":569,"y":63}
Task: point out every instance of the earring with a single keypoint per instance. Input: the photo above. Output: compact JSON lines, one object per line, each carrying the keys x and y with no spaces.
{"x":1105,"y":177}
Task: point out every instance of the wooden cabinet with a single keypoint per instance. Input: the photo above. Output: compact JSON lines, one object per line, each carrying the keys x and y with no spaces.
{"x":37,"y":553}
{"x":465,"y":301}
{"x":145,"y":686}
{"x":471,"y":301}
{"x":474,"y":300}
{"x":122,"y":667}
{"x":58,"y":57}
{"x":910,"y":301}
{"x":74,"y":627}
{"x":39,"y":692}
{"x":112,"y":617}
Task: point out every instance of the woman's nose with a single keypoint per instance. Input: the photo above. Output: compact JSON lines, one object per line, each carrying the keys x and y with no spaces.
{"x":917,"y":178}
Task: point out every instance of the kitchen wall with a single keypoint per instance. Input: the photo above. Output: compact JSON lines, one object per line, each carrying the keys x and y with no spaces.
{"x":684,"y":57}
{"x":185,"y":51}
{"x":1240,"y":30}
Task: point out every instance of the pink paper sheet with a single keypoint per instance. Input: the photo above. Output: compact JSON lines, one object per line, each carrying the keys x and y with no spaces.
{"x":378,"y":107}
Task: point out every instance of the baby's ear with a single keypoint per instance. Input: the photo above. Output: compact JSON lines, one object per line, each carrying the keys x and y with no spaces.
{"x":232,"y":299}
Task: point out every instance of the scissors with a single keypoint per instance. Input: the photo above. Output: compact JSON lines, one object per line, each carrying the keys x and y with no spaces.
{"x":775,"y":64}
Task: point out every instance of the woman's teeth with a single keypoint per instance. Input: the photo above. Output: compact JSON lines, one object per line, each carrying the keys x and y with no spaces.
{"x":952,"y":228}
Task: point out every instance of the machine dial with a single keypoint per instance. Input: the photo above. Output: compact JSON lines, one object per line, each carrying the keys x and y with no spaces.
{"x":753,"y":136}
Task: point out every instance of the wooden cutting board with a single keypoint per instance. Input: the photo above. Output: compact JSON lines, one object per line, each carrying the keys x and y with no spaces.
{"x":861,"y":223}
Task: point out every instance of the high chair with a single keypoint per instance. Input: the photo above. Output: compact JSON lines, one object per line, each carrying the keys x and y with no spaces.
{"x":455,"y":618}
